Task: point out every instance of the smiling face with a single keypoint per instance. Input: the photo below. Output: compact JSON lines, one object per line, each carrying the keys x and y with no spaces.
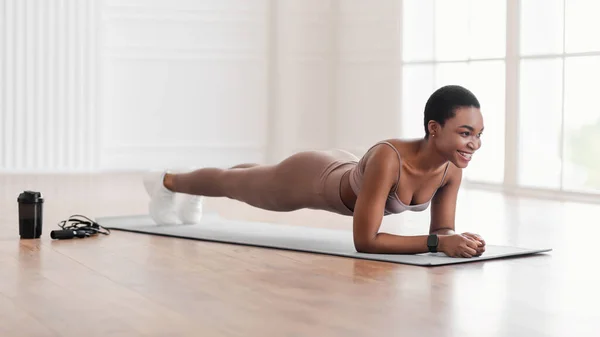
{"x":459,"y":137}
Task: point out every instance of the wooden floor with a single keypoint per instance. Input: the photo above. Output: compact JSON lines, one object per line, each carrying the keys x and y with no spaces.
{"x":138,"y":285}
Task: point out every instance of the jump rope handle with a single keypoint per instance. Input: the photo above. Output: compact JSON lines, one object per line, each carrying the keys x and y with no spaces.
{"x":63,"y":234}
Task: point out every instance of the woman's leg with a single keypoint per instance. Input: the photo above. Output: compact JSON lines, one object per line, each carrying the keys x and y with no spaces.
{"x":261,"y":186}
{"x":294,"y":183}
{"x":218,"y":182}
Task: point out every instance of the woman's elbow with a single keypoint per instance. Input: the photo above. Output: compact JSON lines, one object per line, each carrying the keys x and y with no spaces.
{"x":366,"y":246}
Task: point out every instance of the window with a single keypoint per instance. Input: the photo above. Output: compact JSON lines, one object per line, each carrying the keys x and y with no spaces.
{"x":559,"y":120}
{"x":557,"y":73}
{"x":457,"y":42}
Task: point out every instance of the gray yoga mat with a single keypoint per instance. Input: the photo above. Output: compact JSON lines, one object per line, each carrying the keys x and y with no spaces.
{"x":287,"y":237}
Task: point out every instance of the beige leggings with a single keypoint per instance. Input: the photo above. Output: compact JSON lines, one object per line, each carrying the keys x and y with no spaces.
{"x":308,"y":179}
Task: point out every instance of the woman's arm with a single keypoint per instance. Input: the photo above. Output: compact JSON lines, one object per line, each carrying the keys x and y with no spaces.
{"x":443,"y":204}
{"x":380,"y":176}
{"x":443,"y":210}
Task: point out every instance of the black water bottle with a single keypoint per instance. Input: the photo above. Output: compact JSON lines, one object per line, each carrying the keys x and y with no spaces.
{"x":30,"y":214}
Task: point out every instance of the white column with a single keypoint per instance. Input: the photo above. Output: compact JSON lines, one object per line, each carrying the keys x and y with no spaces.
{"x":47,"y":85}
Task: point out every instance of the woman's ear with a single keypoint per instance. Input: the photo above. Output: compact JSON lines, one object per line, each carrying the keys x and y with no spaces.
{"x":433,"y":127}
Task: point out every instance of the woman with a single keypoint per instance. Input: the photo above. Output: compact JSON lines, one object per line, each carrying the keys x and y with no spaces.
{"x":393,"y":176}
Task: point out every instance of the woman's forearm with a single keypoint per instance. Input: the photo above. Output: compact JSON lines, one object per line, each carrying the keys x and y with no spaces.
{"x":384,"y":243}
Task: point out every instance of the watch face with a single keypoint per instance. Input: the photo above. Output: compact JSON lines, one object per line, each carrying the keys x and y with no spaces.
{"x":432,"y":240}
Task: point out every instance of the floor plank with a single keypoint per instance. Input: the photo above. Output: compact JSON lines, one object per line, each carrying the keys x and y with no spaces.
{"x":130,"y":284}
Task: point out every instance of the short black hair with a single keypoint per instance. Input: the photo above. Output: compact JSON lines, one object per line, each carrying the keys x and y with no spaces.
{"x":442,"y":104}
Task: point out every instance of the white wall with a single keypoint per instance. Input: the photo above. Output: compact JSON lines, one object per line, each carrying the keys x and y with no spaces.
{"x":369,"y":74}
{"x":194,"y":73}
{"x":214,"y":82}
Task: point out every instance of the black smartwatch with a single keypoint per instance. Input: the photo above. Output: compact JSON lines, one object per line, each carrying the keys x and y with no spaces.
{"x":432,"y":243}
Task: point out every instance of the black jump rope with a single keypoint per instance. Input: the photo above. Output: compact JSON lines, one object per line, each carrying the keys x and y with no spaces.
{"x":78,"y":226}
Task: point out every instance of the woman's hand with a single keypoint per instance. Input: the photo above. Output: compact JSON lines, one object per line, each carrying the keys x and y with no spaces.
{"x":480,"y":242}
{"x":462,"y":245}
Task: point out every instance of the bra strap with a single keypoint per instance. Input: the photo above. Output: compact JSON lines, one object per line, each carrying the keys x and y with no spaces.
{"x":445,"y":172}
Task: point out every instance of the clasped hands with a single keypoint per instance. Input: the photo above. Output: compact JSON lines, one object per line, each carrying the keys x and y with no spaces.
{"x":462,"y":245}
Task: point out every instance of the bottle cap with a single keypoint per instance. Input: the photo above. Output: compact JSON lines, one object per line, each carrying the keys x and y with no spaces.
{"x":30,"y":197}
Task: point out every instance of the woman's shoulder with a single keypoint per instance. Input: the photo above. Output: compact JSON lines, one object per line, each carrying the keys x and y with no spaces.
{"x":386,"y":152}
{"x":380,"y":162}
{"x":394,"y":147}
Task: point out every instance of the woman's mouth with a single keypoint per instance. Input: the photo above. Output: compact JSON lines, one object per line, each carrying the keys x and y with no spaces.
{"x":465,"y":155}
